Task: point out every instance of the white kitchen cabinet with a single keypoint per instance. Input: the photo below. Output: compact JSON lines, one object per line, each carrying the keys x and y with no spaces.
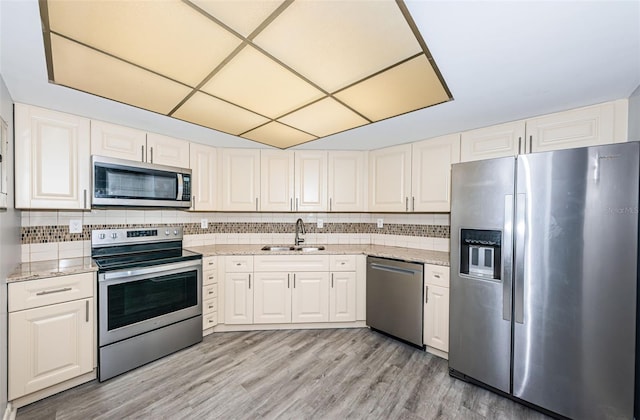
{"x":390,"y":179}
{"x":204,"y":166}
{"x":51,"y":332}
{"x":276,"y":180}
{"x":120,"y":142}
{"x":52,"y":159}
{"x":431,"y":173}
{"x":240,"y":179}
{"x":311,"y":181}
{"x":342,"y":299}
{"x":492,"y":142}
{"x":436,"y":309}
{"x":209,"y":292}
{"x":238,"y":289}
{"x":272,"y":298}
{"x":310,"y":297}
{"x":347,"y":175}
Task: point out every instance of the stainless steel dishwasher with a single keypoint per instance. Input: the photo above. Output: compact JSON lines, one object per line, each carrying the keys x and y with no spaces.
{"x":395,"y":298}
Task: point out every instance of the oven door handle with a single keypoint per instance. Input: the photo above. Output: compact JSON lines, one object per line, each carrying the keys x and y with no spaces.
{"x":114,"y":275}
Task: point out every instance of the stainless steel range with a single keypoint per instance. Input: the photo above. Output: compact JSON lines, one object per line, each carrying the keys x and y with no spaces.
{"x":149,"y":296}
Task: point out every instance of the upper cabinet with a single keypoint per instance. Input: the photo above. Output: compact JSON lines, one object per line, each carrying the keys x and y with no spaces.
{"x":53,"y":159}
{"x":311,"y":181}
{"x":431,"y":173}
{"x":240,"y":179}
{"x":204,"y":165}
{"x":581,"y":127}
{"x":128,"y":143}
{"x":276,"y":180}
{"x":347,"y":178}
{"x":390,"y":179}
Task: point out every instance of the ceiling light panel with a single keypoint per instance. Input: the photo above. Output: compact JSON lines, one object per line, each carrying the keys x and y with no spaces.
{"x":90,"y":71}
{"x":278,"y":135}
{"x":256,"y":82}
{"x":324,"y":117}
{"x":205,"y":110}
{"x":336,"y":43}
{"x":167,"y":37}
{"x":241,"y":16}
{"x":407,"y":87}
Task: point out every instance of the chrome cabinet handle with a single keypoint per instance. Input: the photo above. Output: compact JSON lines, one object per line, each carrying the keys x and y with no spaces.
{"x":330,"y":202}
{"x":288,"y":285}
{"x":436,"y":276}
{"x":249,"y":281}
{"x":84,"y":206}
{"x":210,"y":291}
{"x":291,"y":204}
{"x":294,"y":280}
{"x":426,"y":294}
{"x":210,"y":277}
{"x":519,"y":145}
{"x":332,"y":280}
{"x":86,"y":311}
{"x":151,"y":154}
{"x":406,"y":204}
{"x":530,"y":144}
{"x":210,"y":262}
{"x":142,"y":153}
{"x":48,"y":292}
{"x":193,"y":202}
{"x":413,"y":204}
{"x":297,"y":204}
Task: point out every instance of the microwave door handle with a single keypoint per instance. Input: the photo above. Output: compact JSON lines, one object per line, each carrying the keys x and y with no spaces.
{"x":180,"y":187}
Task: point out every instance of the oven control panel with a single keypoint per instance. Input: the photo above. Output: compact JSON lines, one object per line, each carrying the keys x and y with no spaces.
{"x":111,"y":237}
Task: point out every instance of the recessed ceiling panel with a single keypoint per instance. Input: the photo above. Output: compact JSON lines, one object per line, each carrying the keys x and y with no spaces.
{"x":278,"y":135}
{"x":90,"y":71}
{"x":168,"y":37}
{"x":211,"y":112}
{"x":336,"y":43}
{"x":407,"y":87}
{"x":324,"y":117}
{"x":241,"y":16}
{"x":254,"y":81}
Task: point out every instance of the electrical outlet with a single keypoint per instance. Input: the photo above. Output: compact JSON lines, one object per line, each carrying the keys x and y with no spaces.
{"x":320,"y":223}
{"x":75,"y":226}
{"x":204,"y":223}
{"x":380,"y":224}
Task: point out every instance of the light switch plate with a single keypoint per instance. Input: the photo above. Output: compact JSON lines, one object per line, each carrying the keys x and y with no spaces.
{"x":380,"y":224}
{"x":75,"y":226}
{"x":204,"y":223}
{"x":320,"y":223}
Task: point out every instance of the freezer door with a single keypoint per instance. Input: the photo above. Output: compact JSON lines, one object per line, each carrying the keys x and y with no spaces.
{"x":480,"y":306}
{"x":575,"y":281}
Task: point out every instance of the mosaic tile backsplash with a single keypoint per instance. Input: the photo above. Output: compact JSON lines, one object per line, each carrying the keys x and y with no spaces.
{"x":45,"y":234}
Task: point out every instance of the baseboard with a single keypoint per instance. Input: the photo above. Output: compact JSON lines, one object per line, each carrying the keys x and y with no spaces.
{"x":306,"y":326}
{"x":438,"y":353}
{"x":10,"y":412}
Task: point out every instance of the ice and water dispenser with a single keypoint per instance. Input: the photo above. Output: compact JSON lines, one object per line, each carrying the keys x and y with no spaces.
{"x":480,"y":253}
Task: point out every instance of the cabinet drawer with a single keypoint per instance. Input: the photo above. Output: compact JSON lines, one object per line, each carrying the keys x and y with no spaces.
{"x":209,"y":277}
{"x":209,"y":263}
{"x":34,"y":293}
{"x":291,"y":263}
{"x":342,"y":262}
{"x":210,"y":320}
{"x":437,"y":275}
{"x":209,"y":305}
{"x":239,"y":264}
{"x":210,"y":291}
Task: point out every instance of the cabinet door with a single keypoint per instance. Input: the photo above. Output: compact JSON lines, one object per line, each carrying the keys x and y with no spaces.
{"x":52,"y":159}
{"x":390,"y":179}
{"x":436,"y":318}
{"x":118,"y":142}
{"x":238,"y":298}
{"x":168,"y":151}
{"x":49,"y":345}
{"x":431,"y":173}
{"x":276,"y":180}
{"x":311,"y":181}
{"x":492,"y":142}
{"x":347,"y":181}
{"x":342,"y":299}
{"x":203,"y":161}
{"x":240,"y":177}
{"x":310,"y":299}
{"x":272,"y":298}
{"x":581,"y":127}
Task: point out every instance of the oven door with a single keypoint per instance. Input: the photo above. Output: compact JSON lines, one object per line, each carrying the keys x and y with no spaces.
{"x":135,"y":301}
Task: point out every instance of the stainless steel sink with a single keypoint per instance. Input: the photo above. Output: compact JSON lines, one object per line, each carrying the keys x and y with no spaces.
{"x":308,"y":248}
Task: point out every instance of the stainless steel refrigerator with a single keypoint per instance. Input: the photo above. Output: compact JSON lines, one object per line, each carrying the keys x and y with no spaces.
{"x":544,"y":272}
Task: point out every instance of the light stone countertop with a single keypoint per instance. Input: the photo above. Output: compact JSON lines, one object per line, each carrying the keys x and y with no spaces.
{"x":52,"y":268}
{"x":399,"y":253}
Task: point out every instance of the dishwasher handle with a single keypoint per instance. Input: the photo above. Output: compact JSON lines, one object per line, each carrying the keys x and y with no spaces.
{"x":393,"y":269}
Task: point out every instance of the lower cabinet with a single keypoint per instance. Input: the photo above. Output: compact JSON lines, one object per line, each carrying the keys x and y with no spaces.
{"x":436,"y":309}
{"x":51,"y":332}
{"x":238,"y":289}
{"x":310,"y":297}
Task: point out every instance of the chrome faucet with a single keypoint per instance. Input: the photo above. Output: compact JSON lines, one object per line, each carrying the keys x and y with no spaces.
{"x":299,"y":230}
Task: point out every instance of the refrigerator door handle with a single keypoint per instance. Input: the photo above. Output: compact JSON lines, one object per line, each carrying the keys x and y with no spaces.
{"x":507,"y":257}
{"x":520,"y":235}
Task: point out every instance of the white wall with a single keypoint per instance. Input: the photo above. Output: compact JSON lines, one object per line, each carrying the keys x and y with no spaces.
{"x":634,"y":115}
{"x":9,"y":242}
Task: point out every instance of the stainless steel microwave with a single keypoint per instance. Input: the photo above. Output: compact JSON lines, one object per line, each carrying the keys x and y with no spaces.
{"x":120,"y":182}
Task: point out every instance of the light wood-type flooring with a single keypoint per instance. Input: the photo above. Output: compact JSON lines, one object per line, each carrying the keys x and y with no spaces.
{"x":296,"y":374}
